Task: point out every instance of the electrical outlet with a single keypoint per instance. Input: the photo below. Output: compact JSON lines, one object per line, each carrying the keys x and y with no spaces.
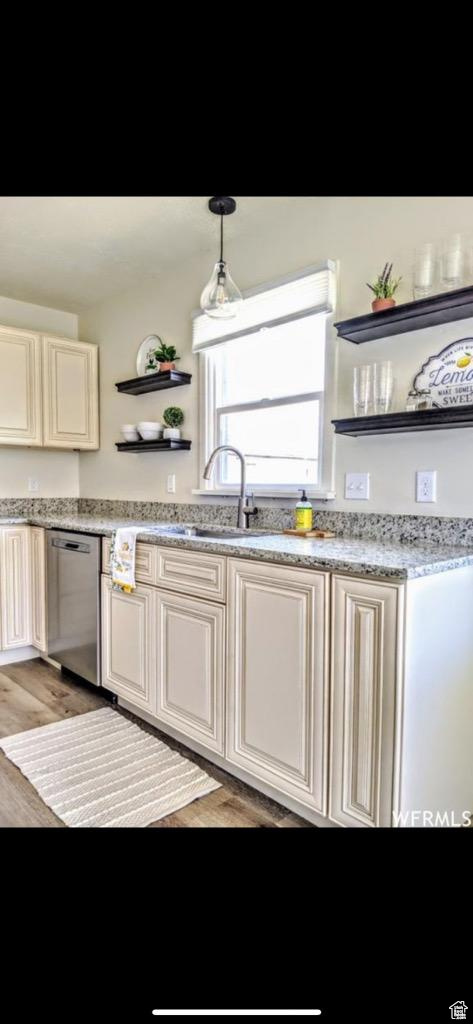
{"x":33,"y":483}
{"x":357,"y":486}
{"x":171,"y":485}
{"x":426,"y":485}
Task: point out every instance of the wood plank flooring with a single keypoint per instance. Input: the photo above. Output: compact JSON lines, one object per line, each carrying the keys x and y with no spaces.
{"x":32,"y":693}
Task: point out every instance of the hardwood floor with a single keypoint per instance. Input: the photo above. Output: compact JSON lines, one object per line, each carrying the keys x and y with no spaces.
{"x":32,"y":693}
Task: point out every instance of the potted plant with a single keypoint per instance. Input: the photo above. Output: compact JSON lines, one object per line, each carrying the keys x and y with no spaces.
{"x":384,"y":288}
{"x":173,"y":417}
{"x":166,"y":356}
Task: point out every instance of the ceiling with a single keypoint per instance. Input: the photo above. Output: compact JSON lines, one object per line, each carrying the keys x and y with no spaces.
{"x":70,"y":252}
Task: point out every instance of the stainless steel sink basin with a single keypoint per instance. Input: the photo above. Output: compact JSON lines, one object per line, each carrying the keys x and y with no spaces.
{"x":200,"y":532}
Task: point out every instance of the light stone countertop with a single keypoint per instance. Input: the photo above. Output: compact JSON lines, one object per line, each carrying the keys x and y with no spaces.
{"x":344,"y":554}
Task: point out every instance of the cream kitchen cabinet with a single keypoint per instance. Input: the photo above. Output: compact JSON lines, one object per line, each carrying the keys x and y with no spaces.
{"x":128,"y":644}
{"x":70,"y":390}
{"x":15,"y":587}
{"x":39,"y":635}
{"x":277,"y":665}
{"x":48,"y":391}
{"x":190,"y":645}
{"x":20,"y":387}
{"x":366,"y":673}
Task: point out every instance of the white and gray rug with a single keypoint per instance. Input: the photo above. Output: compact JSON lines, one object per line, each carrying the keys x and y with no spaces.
{"x":99,"y":770}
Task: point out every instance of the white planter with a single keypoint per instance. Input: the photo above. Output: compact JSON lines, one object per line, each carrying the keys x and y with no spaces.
{"x":172,"y":433}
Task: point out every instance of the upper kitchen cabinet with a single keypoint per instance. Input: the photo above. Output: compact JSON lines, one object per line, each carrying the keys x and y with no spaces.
{"x":70,"y":393}
{"x":20,"y":387}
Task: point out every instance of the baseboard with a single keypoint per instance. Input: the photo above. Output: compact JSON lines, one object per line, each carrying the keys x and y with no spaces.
{"x":18,"y":654}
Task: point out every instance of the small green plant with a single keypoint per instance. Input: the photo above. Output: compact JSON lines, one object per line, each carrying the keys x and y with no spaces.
{"x":385,"y":285}
{"x":166,"y":354}
{"x":173,"y":416}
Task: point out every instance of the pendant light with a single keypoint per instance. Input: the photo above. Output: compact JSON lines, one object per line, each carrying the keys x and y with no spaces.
{"x":221,"y":298}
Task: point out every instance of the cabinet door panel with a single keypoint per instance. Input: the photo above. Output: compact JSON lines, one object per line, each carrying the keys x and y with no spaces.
{"x":277,"y":677}
{"x":15,"y":587}
{"x":128,"y":647}
{"x":70,"y":385}
{"x":20,"y":387}
{"x":190,"y":644}
{"x":39,"y":631}
{"x":365,"y":656}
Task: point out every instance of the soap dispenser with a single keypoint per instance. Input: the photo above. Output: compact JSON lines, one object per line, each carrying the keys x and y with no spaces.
{"x":303,"y":512}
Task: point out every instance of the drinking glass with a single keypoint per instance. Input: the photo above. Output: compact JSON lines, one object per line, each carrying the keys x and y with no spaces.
{"x":383,"y":385}
{"x":362,"y":390}
{"x":424,"y":271}
{"x":451,"y":262}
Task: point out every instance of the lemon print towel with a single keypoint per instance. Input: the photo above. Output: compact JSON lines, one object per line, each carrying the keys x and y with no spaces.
{"x":122,"y":558}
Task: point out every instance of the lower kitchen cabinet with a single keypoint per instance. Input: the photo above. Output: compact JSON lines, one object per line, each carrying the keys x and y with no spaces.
{"x":15,"y":587}
{"x":277,"y":666}
{"x":128,"y":643}
{"x":366,"y":664}
{"x":190,"y":643}
{"x":39,"y":636}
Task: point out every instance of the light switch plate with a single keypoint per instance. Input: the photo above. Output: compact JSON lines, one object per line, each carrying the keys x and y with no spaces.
{"x":33,"y":483}
{"x":357,"y":486}
{"x":171,"y":486}
{"x":426,"y":485}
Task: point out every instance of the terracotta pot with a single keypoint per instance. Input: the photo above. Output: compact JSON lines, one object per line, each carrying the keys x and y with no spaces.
{"x":167,"y":366}
{"x":378,"y":304}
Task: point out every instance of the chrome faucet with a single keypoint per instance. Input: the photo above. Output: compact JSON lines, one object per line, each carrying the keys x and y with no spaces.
{"x":245,"y":509}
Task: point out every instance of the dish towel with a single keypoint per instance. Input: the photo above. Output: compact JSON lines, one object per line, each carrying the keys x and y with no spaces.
{"x":122,"y":558}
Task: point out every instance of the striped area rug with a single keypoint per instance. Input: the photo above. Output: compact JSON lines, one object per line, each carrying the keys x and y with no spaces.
{"x":99,"y":770}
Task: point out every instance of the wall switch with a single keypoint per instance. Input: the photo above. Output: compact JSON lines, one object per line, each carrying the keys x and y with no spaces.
{"x":171,"y":486}
{"x":426,"y":485}
{"x":357,"y":486}
{"x":33,"y":483}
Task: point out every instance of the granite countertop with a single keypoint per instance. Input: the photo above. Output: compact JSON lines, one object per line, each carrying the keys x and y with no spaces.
{"x":343,"y":554}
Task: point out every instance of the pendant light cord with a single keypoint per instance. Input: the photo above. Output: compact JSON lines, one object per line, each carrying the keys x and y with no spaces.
{"x":221,"y":238}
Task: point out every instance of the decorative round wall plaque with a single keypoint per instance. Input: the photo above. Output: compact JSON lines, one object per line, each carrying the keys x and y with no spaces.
{"x":449,"y":375}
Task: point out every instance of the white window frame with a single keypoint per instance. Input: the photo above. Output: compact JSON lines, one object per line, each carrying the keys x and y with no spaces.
{"x":209,"y":413}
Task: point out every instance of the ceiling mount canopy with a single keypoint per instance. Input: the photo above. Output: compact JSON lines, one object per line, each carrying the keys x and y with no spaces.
{"x":222,"y":205}
{"x":221,"y":298}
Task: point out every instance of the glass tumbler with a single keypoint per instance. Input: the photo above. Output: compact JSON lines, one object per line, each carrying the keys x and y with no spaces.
{"x":362,"y":390}
{"x":383,"y":386}
{"x":424,"y":271}
{"x":451,"y":262}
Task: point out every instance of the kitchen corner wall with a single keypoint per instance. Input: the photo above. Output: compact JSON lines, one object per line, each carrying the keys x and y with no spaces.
{"x":56,"y":472}
{"x":361,"y":233}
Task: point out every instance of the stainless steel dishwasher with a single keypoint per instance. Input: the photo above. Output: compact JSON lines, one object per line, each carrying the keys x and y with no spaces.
{"x":74,"y":602}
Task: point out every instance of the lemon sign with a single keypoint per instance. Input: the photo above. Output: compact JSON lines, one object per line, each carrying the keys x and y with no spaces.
{"x":449,"y":375}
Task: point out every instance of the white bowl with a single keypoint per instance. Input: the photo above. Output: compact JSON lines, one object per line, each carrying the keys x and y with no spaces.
{"x":148,"y":425}
{"x":130,"y":435}
{"x":150,"y":435}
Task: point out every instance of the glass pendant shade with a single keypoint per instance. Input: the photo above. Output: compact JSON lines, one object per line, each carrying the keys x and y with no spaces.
{"x":221,"y":298}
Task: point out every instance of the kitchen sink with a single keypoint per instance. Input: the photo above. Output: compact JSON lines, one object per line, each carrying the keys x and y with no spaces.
{"x":209,"y":534}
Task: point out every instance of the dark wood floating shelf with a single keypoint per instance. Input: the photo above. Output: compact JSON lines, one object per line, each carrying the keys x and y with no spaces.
{"x":405,"y":422}
{"x":154,"y":382}
{"x":410,"y":316}
{"x":162,"y":445}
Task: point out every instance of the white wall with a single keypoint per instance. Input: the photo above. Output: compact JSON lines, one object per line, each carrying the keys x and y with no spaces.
{"x":362,"y":233}
{"x":57,"y":472}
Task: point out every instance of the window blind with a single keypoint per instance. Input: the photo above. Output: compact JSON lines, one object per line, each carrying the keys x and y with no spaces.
{"x":302,"y":294}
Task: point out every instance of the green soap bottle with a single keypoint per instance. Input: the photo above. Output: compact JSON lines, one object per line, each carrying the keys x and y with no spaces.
{"x":303,"y":516}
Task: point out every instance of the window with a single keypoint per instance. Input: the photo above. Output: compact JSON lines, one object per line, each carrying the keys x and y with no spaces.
{"x":264,"y":387}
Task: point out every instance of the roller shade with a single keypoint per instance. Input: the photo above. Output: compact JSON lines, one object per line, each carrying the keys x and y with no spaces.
{"x":303,"y":294}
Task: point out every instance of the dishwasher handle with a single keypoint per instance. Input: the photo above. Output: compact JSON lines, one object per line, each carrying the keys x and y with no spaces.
{"x":69,"y":545}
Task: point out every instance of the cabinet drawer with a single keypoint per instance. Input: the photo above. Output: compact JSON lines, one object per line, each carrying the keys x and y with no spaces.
{"x":145,"y":561}
{"x":191,"y":573}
